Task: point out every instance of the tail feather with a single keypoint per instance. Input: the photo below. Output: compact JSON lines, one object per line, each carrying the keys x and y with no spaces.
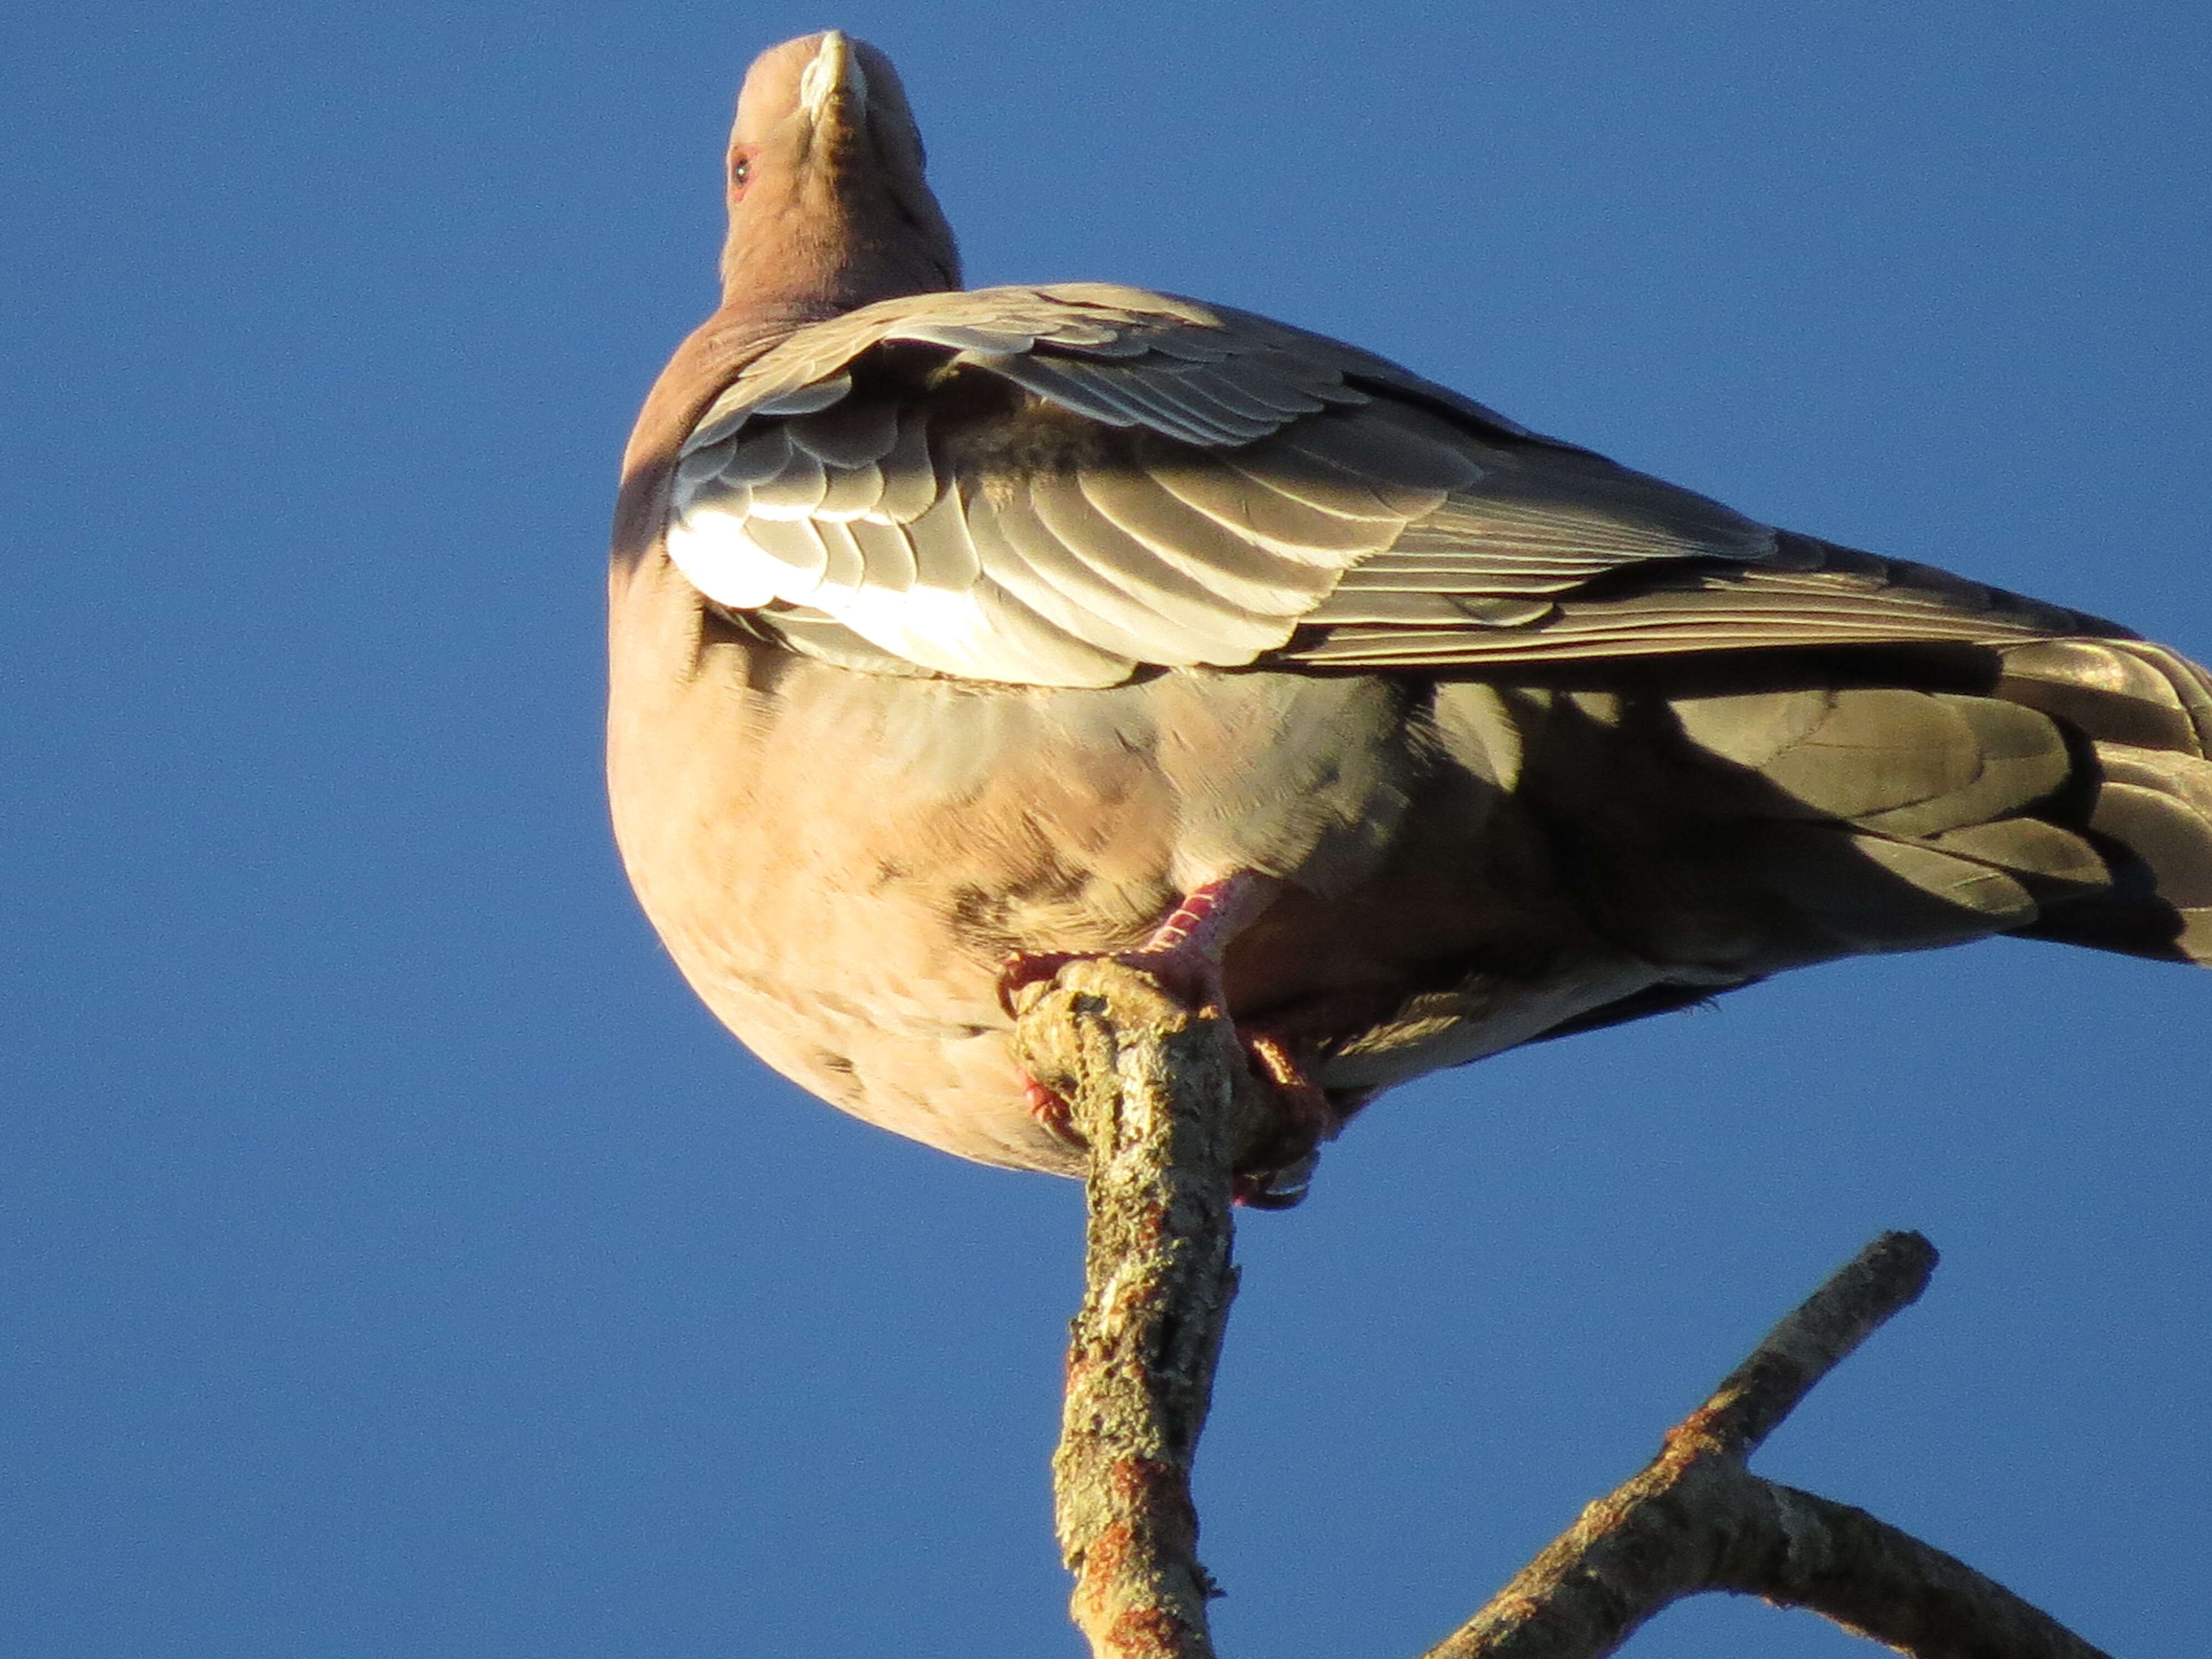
{"x":2071,"y":800}
{"x":2147,"y":714}
{"x":2125,"y":692}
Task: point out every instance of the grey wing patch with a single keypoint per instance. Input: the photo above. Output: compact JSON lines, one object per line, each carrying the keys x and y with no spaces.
{"x":1501,"y":551}
{"x":1125,"y":394}
{"x":1206,"y":499}
{"x":1372,"y":373}
{"x":1812,"y":594}
{"x":741,"y":403}
{"x":1175,"y":554}
{"x":1156,"y":482}
{"x":835,"y":528}
{"x":1214,"y":401}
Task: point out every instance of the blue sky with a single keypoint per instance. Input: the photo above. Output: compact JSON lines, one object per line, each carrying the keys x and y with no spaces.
{"x":399,"y":1263}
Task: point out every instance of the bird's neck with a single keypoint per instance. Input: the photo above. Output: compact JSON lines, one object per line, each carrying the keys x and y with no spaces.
{"x":820,"y":269}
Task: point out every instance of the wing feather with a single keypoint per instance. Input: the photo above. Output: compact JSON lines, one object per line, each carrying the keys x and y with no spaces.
{"x":1158,"y":482}
{"x":850,"y":434}
{"x":851,"y":493}
{"x":1238,"y":570}
{"x":1234,"y":636}
{"x":1157,"y":400}
{"x":944,"y":555}
{"x":795,"y":491}
{"x":1021,"y":572}
{"x":911,"y":485}
{"x":1125,"y":620}
{"x":888,"y":553}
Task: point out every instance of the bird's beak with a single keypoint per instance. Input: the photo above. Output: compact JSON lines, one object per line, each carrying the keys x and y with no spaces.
{"x":834,"y":78}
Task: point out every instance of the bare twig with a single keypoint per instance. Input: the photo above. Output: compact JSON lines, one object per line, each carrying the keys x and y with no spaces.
{"x":1811,"y":1340}
{"x":1697,"y":1520}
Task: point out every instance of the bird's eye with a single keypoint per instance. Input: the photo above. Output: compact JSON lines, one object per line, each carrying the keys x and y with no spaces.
{"x":741,"y":171}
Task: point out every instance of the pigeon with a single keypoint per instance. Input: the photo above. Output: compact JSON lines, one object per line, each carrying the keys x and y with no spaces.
{"x":956,"y":633}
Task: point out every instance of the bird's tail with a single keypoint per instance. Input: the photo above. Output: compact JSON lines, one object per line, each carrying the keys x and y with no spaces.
{"x":2144,"y":714}
{"x":2070,"y":798}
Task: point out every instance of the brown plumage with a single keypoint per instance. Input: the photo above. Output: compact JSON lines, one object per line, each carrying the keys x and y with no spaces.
{"x":949,"y":625}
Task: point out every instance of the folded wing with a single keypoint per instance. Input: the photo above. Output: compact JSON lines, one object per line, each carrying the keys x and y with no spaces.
{"x":1066,"y":486}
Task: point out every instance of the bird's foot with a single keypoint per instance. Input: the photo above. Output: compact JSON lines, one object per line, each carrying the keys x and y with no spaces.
{"x":1277,"y":1171}
{"x":1190,"y":977}
{"x":1050,"y":1108}
{"x":1184,"y":953}
{"x":1188,"y":974}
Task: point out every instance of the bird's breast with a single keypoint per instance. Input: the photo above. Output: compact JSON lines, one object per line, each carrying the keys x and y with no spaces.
{"x":840,"y":861}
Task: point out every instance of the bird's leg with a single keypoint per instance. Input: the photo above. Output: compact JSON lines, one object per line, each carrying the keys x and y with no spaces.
{"x":1184,"y":953}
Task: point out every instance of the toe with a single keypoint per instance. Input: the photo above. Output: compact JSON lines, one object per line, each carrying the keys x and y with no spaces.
{"x":1023,"y":968}
{"x":1050,"y":1108}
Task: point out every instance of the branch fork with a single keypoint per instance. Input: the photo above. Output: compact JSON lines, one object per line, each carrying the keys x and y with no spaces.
{"x":1155,"y":1091}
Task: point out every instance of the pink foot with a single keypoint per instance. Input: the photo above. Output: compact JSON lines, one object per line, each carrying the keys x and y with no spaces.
{"x":1184,"y":952}
{"x":1052,"y":1110}
{"x":1190,"y":980}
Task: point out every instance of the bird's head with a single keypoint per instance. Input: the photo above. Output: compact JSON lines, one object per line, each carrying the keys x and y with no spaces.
{"x":828,"y":208}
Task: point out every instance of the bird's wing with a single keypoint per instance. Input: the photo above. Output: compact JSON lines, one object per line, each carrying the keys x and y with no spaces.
{"x":1058,"y":486}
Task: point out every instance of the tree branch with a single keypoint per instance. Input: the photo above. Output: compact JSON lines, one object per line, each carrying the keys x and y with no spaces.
{"x":1153,"y":1088}
{"x":1161,"y":1095}
{"x":1697,"y":1520}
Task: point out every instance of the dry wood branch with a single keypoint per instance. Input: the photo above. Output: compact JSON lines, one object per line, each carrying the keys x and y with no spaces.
{"x":1158,"y":1093}
{"x":1152,"y":1088}
{"x":1697,"y":1520}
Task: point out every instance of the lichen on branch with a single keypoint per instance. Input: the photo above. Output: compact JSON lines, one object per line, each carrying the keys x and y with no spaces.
{"x":1159,"y":1093}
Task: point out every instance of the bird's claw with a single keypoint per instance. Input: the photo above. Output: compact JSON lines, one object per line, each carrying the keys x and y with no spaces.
{"x":1050,"y":1108}
{"x":1286,"y":1161}
{"x":1304,"y":1117}
{"x":1283,"y":1188}
{"x":1189,"y":975}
